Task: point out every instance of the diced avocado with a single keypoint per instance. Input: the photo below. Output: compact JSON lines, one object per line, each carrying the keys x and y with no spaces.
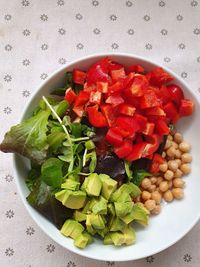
{"x":141,"y":214}
{"x":92,"y":185}
{"x":107,"y":239}
{"x":79,"y":216}
{"x":89,"y":226}
{"x":111,"y":209}
{"x":129,"y":235}
{"x":86,"y":208}
{"x":123,"y":208}
{"x":109,"y":185}
{"x":103,"y":232}
{"x":129,"y":188}
{"x":71,"y":185}
{"x":117,"y":225}
{"x":117,"y":238}
{"x":129,"y":217}
{"x":71,"y":199}
{"x":100,"y":206}
{"x":83,"y":240}
{"x":96,"y":221}
{"x":72,"y":228}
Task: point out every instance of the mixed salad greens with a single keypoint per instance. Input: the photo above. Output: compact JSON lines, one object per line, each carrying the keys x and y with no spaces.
{"x":92,"y":142}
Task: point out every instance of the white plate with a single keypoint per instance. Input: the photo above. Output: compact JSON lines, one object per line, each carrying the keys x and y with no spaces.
{"x":175,"y":220}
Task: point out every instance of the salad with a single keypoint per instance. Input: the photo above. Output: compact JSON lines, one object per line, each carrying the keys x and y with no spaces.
{"x":104,"y":150}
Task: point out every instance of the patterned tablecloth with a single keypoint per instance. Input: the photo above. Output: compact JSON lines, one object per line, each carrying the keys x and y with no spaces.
{"x":39,"y":36}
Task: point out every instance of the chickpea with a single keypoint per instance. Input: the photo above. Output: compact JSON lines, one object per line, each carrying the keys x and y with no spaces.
{"x":167,"y":144}
{"x":159,"y":180}
{"x":171,"y":152}
{"x":168,"y":175}
{"x":146,"y":183}
{"x":184,"y":146}
{"x":168,"y":196}
{"x":185,"y":168}
{"x":163,"y":167}
{"x":178,"y":154}
{"x":172,"y":165}
{"x":186,"y":157}
{"x":175,"y":145}
{"x":178,"y":182}
{"x":178,"y":161}
{"x":178,"y":193}
{"x":153,"y":179}
{"x":152,"y":188}
{"x":163,"y":186}
{"x":170,"y":137}
{"x":150,"y":204}
{"x":156,"y":196}
{"x":170,"y":184}
{"x":146,"y":195}
{"x":178,"y":174}
{"x":178,"y":138}
{"x":156,"y":210}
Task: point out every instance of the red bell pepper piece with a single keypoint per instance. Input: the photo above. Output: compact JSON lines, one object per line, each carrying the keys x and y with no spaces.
{"x":126,"y":109}
{"x":149,"y":100}
{"x":95,"y":117}
{"x":186,"y":107}
{"x":124,"y":150}
{"x":95,"y":97}
{"x":176,"y":93}
{"x":137,"y":151}
{"x":102,"y":87}
{"x":109,"y":113}
{"x":159,"y":77}
{"x":129,"y":78}
{"x":153,"y":144}
{"x":70,"y":95}
{"x":120,"y":131}
{"x":115,"y":100}
{"x":79,"y":110}
{"x":164,"y":94}
{"x":141,"y":121}
{"x":117,"y":74}
{"x":114,"y":66}
{"x":78,"y":76}
{"x":137,"y":87}
{"x":115,"y":87}
{"x":161,"y":128}
{"x":157,"y":161}
{"x":171,"y":111}
{"x":113,"y":138}
{"x":155,"y":111}
{"x":128,"y":123}
{"x":135,"y":68}
{"x":149,"y":128}
{"x":82,"y":98}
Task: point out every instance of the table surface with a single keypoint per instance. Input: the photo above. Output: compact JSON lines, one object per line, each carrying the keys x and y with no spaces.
{"x":39,"y":36}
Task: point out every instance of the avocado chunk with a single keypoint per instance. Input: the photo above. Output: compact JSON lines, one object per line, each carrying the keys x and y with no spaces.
{"x":72,"y":228}
{"x":89,"y":226}
{"x":71,"y":199}
{"x":130,"y":189}
{"x":129,"y":235}
{"x":117,"y":224}
{"x":100,"y":206}
{"x":92,"y":185}
{"x":79,"y":216}
{"x":123,"y":208}
{"x":96,"y":221}
{"x":109,"y":185}
{"x":138,"y":213}
{"x":111,"y":209}
{"x":117,"y":238}
{"x":83,"y":240}
{"x":107,"y":239}
{"x":71,"y":185}
{"x":103,"y":232}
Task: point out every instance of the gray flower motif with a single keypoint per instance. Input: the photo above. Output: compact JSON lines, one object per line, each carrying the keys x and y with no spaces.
{"x":62,"y":31}
{"x":187,"y":258}
{"x":179,"y":17}
{"x":25,"y":3}
{"x":71,"y":264}
{"x":26,"y":32}
{"x":96,"y":31}
{"x":30,"y":230}
{"x":95,"y":3}
{"x":7,"y":110}
{"x":198,"y":59}
{"x":9,"y":252}
{"x":44,"y":47}
{"x":43,"y":76}
{"x":7,"y":78}
{"x":26,"y":62}
{"x":148,"y":46}
{"x":60,"y":2}
{"x":7,"y":17}
{"x":115,"y":46}
{"x":80,"y":46}
{"x":113,"y":17}
{"x":164,"y":32}
{"x":62,"y":60}
{"x":196,"y":31}
{"x":161,"y":4}
{"x":78,"y":16}
{"x":146,"y":18}
{"x":9,"y":178}
{"x":50,"y":248}
{"x":26,"y":93}
{"x":130,"y":31}
{"x":110,"y":263}
{"x":184,"y":74}
{"x":198,"y":89}
{"x":9,"y":214}
{"x":181,"y":46}
{"x":8,"y":47}
{"x":150,"y":259}
{"x":129,"y":3}
{"x":194,"y":3}
{"x":167,"y":59}
{"x":44,"y":17}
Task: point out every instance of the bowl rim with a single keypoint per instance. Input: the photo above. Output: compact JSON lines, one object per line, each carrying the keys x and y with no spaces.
{"x":22,"y":115}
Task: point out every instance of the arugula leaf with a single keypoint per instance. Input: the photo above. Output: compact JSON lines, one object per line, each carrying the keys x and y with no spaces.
{"x":61,"y":108}
{"x":76,"y":129}
{"x":55,"y":140}
{"x":51,"y":172}
{"x":29,"y":138}
{"x":139,"y":175}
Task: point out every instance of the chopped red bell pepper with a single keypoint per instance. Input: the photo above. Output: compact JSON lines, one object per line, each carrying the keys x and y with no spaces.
{"x":117,"y":74}
{"x":176,"y":93}
{"x":79,"y":110}
{"x":109,"y":113}
{"x":149,"y":100}
{"x":171,"y":111}
{"x":124,"y":150}
{"x":153,"y":144}
{"x":95,"y":117}
{"x":129,"y":78}
{"x":82,"y":98}
{"x":135,"y":68}
{"x":149,"y":128}
{"x":70,"y":95}
{"x":78,"y":76}
{"x":137,"y":151}
{"x":128,"y":123}
{"x":186,"y":107}
{"x":114,"y":100}
{"x":164,"y":94}
{"x":120,"y":131}
{"x":141,"y":121}
{"x":113,"y":138}
{"x":155,"y":111}
{"x":114,"y":66}
{"x":95,"y":97}
{"x":159,"y":77}
{"x":116,"y":87}
{"x":126,"y":109}
{"x":102,"y":87}
{"x":157,"y":161}
{"x":161,"y":128}
{"x":137,"y":87}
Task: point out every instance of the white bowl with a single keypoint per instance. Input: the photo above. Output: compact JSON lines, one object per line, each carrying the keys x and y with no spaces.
{"x":175,"y":220}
